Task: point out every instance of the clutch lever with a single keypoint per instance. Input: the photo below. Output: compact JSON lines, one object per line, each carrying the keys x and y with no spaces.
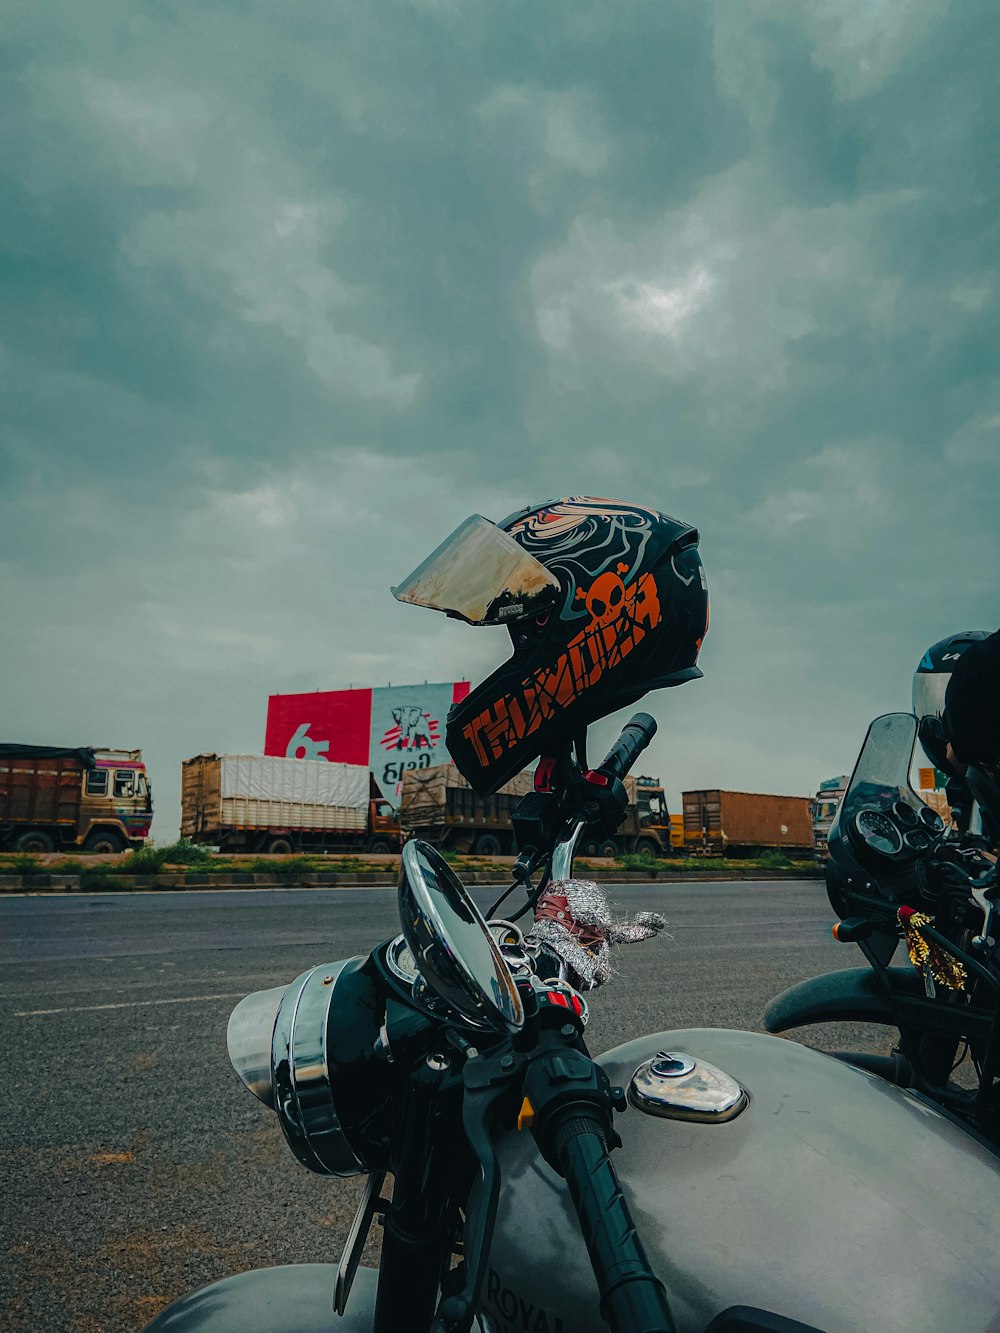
{"x":492,"y":1083}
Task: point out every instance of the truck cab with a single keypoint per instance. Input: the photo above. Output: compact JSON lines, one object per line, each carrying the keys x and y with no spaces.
{"x":824,"y":806}
{"x":117,"y":805}
{"x":383,"y":822}
{"x":54,"y":799}
{"x":658,"y":831}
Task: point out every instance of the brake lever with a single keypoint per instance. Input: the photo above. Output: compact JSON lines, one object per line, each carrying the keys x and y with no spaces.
{"x":491,"y":1083}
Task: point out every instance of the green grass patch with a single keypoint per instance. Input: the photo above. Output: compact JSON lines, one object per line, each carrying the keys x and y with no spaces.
{"x":767,"y":861}
{"x":152,"y":860}
{"x":773,"y":861}
{"x":642,"y":861}
{"x":281,"y":867}
{"x":19,"y":864}
{"x":97,"y":878}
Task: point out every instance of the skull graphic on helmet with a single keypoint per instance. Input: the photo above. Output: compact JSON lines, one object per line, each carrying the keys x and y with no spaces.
{"x":606,"y":598}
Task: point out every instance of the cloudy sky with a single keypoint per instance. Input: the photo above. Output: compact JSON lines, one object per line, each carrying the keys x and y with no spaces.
{"x":288,"y":291}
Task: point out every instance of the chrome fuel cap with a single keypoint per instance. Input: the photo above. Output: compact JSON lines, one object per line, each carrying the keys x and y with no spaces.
{"x":677,"y":1087}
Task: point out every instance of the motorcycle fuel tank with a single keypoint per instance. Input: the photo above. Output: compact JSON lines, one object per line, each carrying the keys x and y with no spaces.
{"x":829,"y":1197}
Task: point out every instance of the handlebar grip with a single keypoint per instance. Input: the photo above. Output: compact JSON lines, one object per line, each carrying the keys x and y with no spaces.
{"x":638,"y":731}
{"x":633,"y":1299}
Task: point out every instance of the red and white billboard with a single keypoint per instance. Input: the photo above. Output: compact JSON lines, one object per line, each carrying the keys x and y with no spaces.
{"x":387,"y":730}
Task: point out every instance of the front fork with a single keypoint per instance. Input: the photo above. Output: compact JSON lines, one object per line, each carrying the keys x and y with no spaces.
{"x":419,"y":1221}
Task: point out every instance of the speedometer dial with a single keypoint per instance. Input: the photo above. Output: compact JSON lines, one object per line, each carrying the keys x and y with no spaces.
{"x":903,"y":814}
{"x":879,"y":832}
{"x":931,"y":820}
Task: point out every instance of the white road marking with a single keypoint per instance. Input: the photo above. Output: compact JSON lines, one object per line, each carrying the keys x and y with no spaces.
{"x":127,"y":1004}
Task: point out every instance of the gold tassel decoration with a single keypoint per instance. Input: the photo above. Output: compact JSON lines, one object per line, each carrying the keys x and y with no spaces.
{"x":935,"y":964}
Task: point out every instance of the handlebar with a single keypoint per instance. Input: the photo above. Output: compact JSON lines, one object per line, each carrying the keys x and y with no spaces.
{"x":633,"y":1299}
{"x":638,"y":731}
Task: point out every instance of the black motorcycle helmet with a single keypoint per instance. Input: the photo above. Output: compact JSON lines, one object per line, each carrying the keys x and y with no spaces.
{"x":603,"y":601}
{"x":971,"y":722}
{"x":930,"y":684}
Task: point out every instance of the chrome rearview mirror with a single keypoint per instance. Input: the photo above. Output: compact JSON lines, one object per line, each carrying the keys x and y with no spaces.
{"x":451,"y":946}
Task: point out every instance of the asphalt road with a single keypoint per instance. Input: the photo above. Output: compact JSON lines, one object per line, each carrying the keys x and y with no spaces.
{"x":134,"y":1166}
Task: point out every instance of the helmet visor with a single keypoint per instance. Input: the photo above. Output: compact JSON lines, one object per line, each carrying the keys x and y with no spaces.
{"x":480,"y":574}
{"x":929,"y":689}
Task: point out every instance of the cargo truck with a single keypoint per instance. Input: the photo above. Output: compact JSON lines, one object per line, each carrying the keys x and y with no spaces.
{"x":825,"y":805}
{"x":437,"y":804}
{"x":260,"y":803}
{"x":55,"y":799}
{"x":734,"y":823}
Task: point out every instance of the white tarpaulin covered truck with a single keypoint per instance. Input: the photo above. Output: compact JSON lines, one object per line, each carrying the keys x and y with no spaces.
{"x":260,"y":803}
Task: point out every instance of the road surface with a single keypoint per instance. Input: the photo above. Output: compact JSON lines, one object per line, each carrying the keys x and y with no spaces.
{"x":133,"y":1164}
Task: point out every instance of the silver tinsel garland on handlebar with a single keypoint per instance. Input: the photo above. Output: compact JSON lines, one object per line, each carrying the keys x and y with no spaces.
{"x":575,"y":920}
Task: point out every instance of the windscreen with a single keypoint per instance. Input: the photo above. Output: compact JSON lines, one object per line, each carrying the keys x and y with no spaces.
{"x":480,"y":574}
{"x":882,"y":773}
{"x":881,"y":776}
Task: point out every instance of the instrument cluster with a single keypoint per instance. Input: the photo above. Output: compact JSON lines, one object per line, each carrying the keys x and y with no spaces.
{"x":898,"y":831}
{"x":519,"y":952}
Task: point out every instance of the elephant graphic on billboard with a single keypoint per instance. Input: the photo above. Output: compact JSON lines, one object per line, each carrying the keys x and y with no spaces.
{"x":414,"y":728}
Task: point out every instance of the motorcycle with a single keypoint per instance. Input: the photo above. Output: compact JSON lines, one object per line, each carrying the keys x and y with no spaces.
{"x":897,"y":873}
{"x":698,"y":1181}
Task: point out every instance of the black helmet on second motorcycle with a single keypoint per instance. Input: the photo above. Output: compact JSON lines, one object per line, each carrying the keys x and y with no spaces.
{"x":930,"y":685}
{"x":603,"y":601}
{"x":971,"y":723}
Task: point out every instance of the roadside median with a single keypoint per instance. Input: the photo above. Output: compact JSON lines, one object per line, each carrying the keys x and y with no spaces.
{"x":184,"y":867}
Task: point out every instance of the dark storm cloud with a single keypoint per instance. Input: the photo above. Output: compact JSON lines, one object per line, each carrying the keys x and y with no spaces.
{"x":286,"y":296}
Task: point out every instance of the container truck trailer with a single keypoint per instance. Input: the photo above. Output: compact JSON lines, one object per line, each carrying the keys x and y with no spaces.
{"x":55,"y":799}
{"x":260,"y":803}
{"x":718,"y":823}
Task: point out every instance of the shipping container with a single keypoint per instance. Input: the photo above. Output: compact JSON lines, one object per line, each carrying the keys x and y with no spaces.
{"x":55,"y":799}
{"x":729,"y":822}
{"x":246,"y":802}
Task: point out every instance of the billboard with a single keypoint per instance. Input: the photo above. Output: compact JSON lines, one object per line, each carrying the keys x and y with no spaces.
{"x":387,"y":730}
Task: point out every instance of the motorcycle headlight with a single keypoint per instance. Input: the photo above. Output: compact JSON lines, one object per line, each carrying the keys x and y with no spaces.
{"x":308,"y":1051}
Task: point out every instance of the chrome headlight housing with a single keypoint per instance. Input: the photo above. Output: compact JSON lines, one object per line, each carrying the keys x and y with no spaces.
{"x":308,"y":1051}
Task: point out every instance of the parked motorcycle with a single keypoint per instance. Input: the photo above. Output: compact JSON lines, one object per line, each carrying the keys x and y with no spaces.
{"x":687,"y":1180}
{"x":898,"y":874}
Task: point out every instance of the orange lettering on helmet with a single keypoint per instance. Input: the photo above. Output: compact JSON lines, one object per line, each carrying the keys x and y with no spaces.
{"x":601,"y":646}
{"x":567,"y":688}
{"x":471,"y":732}
{"x":516,"y":718}
{"x":646,"y":602}
{"x":579,"y":665}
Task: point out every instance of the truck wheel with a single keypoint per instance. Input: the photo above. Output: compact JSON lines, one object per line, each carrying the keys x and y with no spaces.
{"x":104,"y":840}
{"x":34,"y":842}
{"x":488,"y":844}
{"x":646,"y":847}
{"x":379,"y":847}
{"x":280,"y":847}
{"x":608,"y":848}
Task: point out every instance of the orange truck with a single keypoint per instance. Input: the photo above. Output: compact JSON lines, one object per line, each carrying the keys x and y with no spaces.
{"x":56,"y":799}
{"x":733,"y":823}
